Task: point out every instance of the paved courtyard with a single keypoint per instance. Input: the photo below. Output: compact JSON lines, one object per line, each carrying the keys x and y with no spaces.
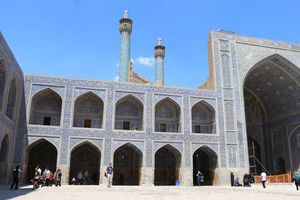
{"x":273,"y":192}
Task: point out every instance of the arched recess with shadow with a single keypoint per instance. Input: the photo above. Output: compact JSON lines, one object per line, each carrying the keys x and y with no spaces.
{"x":203,"y":118}
{"x":294,"y":146}
{"x":2,"y":81}
{"x":205,"y":160}
{"x":42,"y":153}
{"x":167,"y":116}
{"x":85,"y":158}
{"x":167,"y":165}
{"x":88,"y":111}
{"x":11,"y":102}
{"x":254,"y":154}
{"x":129,"y":114}
{"x":272,"y":103}
{"x":128,"y":160}
{"x":46,"y":108}
{"x":4,"y":159}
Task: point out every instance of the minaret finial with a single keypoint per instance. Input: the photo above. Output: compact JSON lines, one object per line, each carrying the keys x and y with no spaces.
{"x":126,"y":14}
{"x":159,"y":41}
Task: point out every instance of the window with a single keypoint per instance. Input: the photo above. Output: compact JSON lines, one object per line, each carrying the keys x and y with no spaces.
{"x":87,"y":123}
{"x":126,"y":125}
{"x":163,"y":128}
{"x":197,"y":129}
{"x":47,"y":121}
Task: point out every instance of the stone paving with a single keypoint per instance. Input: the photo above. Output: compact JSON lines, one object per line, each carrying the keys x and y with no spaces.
{"x":272,"y":192}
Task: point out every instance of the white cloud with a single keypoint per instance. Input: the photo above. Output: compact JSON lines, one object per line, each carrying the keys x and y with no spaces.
{"x":145,"y":61}
{"x":116,"y":78}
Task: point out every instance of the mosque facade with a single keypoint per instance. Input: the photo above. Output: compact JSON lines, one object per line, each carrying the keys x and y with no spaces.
{"x":244,"y":118}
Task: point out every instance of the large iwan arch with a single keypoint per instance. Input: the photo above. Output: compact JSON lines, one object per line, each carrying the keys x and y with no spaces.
{"x":272,"y":100}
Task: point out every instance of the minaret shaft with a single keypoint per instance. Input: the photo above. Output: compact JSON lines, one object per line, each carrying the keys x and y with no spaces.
{"x":125,"y":28}
{"x":159,"y":53}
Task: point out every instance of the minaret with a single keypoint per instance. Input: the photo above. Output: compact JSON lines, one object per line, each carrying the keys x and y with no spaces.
{"x":159,"y":53}
{"x":125,"y":30}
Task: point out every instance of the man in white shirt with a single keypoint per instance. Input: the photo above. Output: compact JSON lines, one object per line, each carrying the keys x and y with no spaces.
{"x":263,"y":176}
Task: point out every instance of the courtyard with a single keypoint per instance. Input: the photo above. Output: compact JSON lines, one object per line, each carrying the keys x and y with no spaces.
{"x":272,"y":192}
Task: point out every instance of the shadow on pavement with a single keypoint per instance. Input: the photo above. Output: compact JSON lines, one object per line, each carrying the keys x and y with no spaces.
{"x":5,"y":193}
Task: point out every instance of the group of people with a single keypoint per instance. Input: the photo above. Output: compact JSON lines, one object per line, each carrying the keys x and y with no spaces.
{"x":47,"y":178}
{"x":81,"y":178}
{"x":248,"y":179}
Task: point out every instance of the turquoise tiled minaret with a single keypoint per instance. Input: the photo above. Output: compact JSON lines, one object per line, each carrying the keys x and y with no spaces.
{"x":159,"y":53}
{"x":125,"y":30}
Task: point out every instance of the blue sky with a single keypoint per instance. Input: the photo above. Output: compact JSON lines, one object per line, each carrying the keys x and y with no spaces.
{"x":80,"y":38}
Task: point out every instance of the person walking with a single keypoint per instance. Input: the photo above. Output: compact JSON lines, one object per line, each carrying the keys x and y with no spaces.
{"x":296,"y":178}
{"x":199,"y":176}
{"x":36,"y":178}
{"x":263,"y":177}
{"x":232,"y":179}
{"x":109,"y":173}
{"x":16,"y":175}
{"x":57,"y":178}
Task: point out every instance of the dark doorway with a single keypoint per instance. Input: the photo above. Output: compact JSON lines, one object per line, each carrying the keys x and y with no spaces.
{"x":167,"y":163}
{"x":44,"y":154}
{"x":3,"y":159}
{"x":85,"y":159}
{"x":127,"y":165}
{"x":205,"y":161}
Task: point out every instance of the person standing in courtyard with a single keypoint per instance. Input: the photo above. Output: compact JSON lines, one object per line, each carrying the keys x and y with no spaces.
{"x":16,"y":175}
{"x":232,"y":179}
{"x":199,"y":177}
{"x":57,"y":178}
{"x":263,"y":177}
{"x":109,"y":173}
{"x":296,"y":178}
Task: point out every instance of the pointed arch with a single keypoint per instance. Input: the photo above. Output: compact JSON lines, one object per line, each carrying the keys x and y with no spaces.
{"x":129,"y":113}
{"x":167,"y":165}
{"x":85,"y":160}
{"x":167,"y":116}
{"x":205,"y":160}
{"x":88,"y":111}
{"x":42,"y":153}
{"x":11,"y":101}
{"x":128,"y":160}
{"x":46,"y":108}
{"x":203,"y":118}
{"x":2,"y":81}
